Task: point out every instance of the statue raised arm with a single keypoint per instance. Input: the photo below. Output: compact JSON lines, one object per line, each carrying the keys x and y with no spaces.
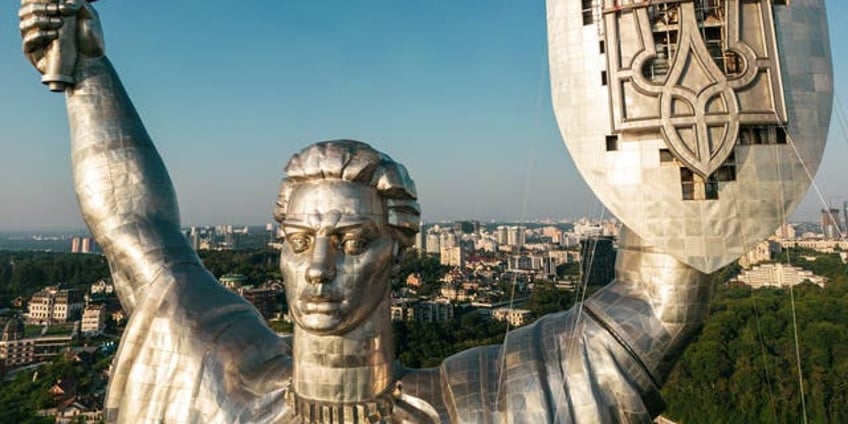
{"x":123,"y":188}
{"x":185,"y":328}
{"x":195,"y":352}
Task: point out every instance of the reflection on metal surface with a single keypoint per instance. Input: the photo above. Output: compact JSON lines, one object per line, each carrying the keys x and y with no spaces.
{"x":713,"y":98}
{"x":195,"y":352}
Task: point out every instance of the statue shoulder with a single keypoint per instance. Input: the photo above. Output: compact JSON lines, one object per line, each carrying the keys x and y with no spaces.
{"x":511,"y":381}
{"x":470,"y":384}
{"x":196,"y":343}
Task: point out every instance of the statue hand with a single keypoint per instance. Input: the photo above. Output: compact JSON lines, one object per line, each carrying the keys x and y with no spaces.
{"x":43,"y":21}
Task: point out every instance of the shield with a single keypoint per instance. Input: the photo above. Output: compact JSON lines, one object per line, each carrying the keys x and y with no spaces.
{"x":698,"y":123}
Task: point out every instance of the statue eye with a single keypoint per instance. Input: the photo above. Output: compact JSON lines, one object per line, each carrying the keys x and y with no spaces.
{"x":354,"y":245}
{"x":299,"y":242}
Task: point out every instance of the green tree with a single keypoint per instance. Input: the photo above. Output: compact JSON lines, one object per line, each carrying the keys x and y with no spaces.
{"x":547,"y":298}
{"x":742,"y":367}
{"x":421,"y":345}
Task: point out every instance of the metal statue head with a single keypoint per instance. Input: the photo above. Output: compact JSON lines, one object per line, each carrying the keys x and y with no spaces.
{"x":348,"y":213}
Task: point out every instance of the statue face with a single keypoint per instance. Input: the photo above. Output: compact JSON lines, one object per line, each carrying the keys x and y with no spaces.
{"x":338,"y":255}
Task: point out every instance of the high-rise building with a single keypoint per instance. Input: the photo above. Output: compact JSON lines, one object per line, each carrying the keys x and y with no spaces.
{"x":831,"y":223}
{"x":447,"y":240}
{"x":86,"y":245}
{"x":420,"y":241}
{"x":453,"y":256}
{"x":486,"y":244}
{"x":548,"y":264}
{"x":194,"y":238}
{"x":845,"y":216}
{"x":519,"y":263}
{"x":433,"y":245}
{"x":502,"y":235}
{"x":466,"y":227}
{"x":515,"y":236}
{"x":598,"y":264}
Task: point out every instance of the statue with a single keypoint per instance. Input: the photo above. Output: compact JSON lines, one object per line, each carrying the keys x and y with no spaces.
{"x":196,"y":352}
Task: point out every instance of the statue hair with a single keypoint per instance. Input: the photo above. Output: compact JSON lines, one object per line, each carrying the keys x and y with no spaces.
{"x":357,"y":162}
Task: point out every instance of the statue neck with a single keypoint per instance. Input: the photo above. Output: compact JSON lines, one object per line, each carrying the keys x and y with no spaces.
{"x":357,"y":366}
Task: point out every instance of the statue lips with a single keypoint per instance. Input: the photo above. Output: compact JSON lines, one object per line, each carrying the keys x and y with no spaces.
{"x":320,"y":305}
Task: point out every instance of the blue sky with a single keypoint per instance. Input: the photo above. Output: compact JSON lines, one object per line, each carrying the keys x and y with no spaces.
{"x":456,"y":90}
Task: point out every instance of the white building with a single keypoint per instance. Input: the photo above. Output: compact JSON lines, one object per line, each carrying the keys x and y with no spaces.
{"x":101,"y":287}
{"x":584,"y":228}
{"x":516,"y":236}
{"x":402,"y":310}
{"x":453,"y":256}
{"x":432,"y":245}
{"x":420,"y":241}
{"x":515,"y":317}
{"x":819,"y":245}
{"x":486,"y":245}
{"x":564,"y":256}
{"x":17,"y":350}
{"x":447,"y":240}
{"x":778,"y":275}
{"x":457,"y":294}
{"x":502,"y":235}
{"x":786,"y":231}
{"x":554,"y":233}
{"x":93,"y":320}
{"x":763,"y":252}
{"x":54,"y":305}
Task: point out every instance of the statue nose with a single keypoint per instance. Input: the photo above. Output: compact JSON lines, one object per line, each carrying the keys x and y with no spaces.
{"x":321,"y":268}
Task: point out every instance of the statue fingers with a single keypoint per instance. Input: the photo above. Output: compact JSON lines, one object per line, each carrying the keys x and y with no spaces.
{"x":39,"y":22}
{"x":37,"y":9}
{"x":37,"y":39}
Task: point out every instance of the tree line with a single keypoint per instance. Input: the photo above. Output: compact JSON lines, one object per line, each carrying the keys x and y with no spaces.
{"x":743,"y":366}
{"x":24,"y":273}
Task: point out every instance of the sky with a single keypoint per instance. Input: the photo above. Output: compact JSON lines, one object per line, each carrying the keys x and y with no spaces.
{"x":458,"y":91}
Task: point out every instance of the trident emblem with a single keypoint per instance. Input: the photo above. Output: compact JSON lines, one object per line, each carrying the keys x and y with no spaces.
{"x":696,"y":79}
{"x":709,"y":132}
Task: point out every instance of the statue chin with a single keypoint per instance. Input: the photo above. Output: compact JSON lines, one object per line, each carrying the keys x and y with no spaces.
{"x":328,"y":319}
{"x":321,"y":324}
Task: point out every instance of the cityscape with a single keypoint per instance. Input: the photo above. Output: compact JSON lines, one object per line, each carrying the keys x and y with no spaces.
{"x":690,"y":154}
{"x":462,"y":270}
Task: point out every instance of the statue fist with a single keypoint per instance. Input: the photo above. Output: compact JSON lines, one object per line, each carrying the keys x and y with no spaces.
{"x":55,"y":33}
